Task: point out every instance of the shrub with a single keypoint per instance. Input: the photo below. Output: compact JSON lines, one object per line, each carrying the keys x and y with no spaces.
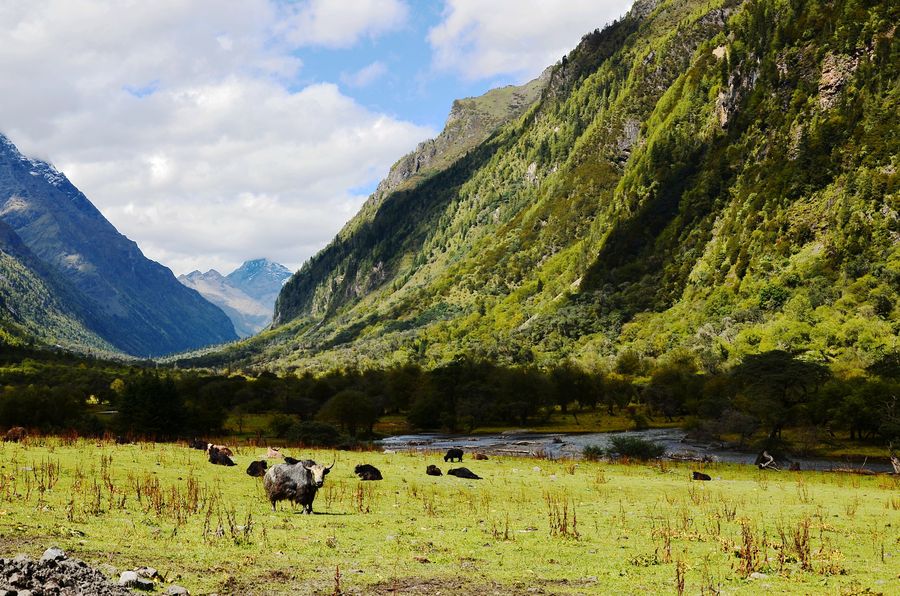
{"x":314,"y":434}
{"x":592,"y":452}
{"x":635,"y":447}
{"x":280,"y":424}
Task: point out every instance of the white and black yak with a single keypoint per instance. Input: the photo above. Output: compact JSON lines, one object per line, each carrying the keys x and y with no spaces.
{"x":295,"y":482}
{"x":218,"y":457}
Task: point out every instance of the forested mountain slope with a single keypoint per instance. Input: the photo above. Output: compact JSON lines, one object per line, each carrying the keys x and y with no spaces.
{"x":36,"y":305}
{"x":713,"y":176}
{"x":134,"y":303}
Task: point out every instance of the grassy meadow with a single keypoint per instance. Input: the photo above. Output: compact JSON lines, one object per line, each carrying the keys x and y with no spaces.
{"x":531,"y":526}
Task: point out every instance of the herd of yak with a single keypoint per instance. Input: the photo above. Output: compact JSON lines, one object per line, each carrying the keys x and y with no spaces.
{"x":298,"y":480}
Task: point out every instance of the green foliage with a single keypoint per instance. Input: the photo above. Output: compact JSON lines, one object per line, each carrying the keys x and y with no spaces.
{"x":592,"y":452}
{"x":314,"y":434}
{"x":635,"y":447}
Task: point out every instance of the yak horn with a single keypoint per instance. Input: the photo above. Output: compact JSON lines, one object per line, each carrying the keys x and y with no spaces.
{"x":332,"y":464}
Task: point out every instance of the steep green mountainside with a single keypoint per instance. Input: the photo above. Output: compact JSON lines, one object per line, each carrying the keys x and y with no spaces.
{"x":35,"y":304}
{"x":714,"y":176}
{"x":134,"y":303}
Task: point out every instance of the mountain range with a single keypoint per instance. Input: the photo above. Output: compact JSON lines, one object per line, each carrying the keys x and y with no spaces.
{"x":709,"y":178}
{"x":247,"y":294}
{"x":69,"y":277}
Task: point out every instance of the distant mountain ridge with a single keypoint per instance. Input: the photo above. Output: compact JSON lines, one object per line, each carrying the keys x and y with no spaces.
{"x":247,"y":294}
{"x":133,"y":303}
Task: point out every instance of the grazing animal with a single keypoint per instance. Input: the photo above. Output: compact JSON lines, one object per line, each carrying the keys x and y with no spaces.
{"x":198,"y":444}
{"x":700,"y":476}
{"x":479,"y":456}
{"x":453,"y":454}
{"x":220,"y":448}
{"x":295,"y":482}
{"x":15,"y":434}
{"x":433,"y":470}
{"x":463,"y":473}
{"x":367,"y":472}
{"x":273,"y":453}
{"x":120,"y":440}
{"x":257,"y":469}
{"x":220,"y":458}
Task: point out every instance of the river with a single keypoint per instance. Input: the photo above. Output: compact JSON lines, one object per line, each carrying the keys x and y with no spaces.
{"x":562,"y":445}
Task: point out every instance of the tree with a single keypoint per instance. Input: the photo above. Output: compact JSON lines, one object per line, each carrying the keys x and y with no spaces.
{"x":775,"y":387}
{"x":151,"y":406}
{"x":351,"y":409}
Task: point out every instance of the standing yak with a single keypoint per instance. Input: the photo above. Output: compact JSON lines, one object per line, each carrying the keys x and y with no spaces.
{"x":295,"y":482}
{"x":453,"y":454}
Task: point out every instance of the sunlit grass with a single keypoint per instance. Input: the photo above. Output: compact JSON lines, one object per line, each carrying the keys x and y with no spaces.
{"x":571,"y":527}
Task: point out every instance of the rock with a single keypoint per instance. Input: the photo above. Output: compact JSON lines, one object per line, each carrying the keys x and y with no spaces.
{"x":176,"y":590}
{"x":758,"y":575}
{"x":147,"y":572}
{"x":128,"y":578}
{"x":54,"y":553}
{"x":108,"y":570}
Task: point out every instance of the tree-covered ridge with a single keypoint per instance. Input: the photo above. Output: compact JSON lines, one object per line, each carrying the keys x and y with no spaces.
{"x":714,"y":176}
{"x":37,"y":306}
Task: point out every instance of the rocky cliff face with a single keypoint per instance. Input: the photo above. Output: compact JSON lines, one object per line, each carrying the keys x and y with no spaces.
{"x":134,"y":303}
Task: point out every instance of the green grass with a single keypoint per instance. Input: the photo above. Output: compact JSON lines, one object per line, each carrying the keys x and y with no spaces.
{"x":567,"y":527}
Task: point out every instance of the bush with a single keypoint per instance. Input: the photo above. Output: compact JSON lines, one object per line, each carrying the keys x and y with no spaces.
{"x":314,"y":434}
{"x":635,"y":447}
{"x":592,"y":452}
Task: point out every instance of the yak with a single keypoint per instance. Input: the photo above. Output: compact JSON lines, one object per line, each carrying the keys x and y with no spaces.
{"x":433,"y":470}
{"x":367,"y":472}
{"x":15,"y":434}
{"x":295,"y":482}
{"x":700,"y":476}
{"x":463,"y":473}
{"x":219,"y":457}
{"x":257,"y":468}
{"x":293,"y":462}
{"x":453,"y":454}
{"x":479,"y":456}
{"x":199,"y":444}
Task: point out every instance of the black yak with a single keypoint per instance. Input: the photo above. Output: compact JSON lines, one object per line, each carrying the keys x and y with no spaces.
{"x":433,"y":470}
{"x":453,"y":454}
{"x":463,"y":473}
{"x":295,"y":482}
{"x":700,"y":476}
{"x":257,"y":469}
{"x":219,"y":458}
{"x":367,"y":472}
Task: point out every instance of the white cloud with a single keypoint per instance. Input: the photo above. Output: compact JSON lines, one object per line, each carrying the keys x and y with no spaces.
{"x":340,"y":23}
{"x":178,"y":120}
{"x":365,"y":76}
{"x":483,"y":38}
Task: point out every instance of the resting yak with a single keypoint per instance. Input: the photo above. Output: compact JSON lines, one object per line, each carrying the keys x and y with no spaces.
{"x":463,"y":473}
{"x":257,"y":468}
{"x":367,"y":472}
{"x":218,"y":457}
{"x":295,"y":482}
{"x":453,"y":454}
{"x":433,"y":470}
{"x":700,"y":476}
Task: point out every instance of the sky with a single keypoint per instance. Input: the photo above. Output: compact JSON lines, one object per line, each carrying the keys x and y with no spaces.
{"x":215,"y":131}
